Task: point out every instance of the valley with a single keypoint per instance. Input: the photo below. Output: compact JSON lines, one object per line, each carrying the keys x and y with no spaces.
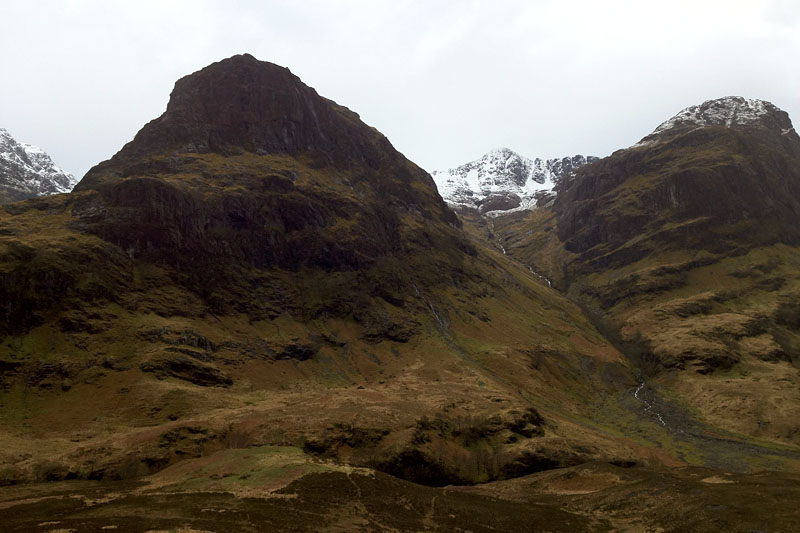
{"x":259,"y":314}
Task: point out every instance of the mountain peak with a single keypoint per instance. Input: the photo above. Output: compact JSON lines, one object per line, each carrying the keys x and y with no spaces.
{"x":241,"y":104}
{"x":502,"y":180}
{"x":501,"y":152}
{"x":27,"y":171}
{"x":274,"y":168}
{"x":728,"y":111}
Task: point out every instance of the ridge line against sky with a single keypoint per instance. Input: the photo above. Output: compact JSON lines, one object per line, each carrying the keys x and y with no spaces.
{"x":445,"y":81}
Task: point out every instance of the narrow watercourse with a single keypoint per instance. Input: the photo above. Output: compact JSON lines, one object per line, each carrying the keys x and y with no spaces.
{"x":648,"y":405}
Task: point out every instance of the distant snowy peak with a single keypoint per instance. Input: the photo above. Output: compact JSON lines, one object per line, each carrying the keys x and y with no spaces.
{"x":503,"y":180}
{"x":27,"y":171}
{"x":730,"y":111}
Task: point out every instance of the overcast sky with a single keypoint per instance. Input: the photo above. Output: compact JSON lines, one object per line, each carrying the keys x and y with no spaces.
{"x":444,"y":80}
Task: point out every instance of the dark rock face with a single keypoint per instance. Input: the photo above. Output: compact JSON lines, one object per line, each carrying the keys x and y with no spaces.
{"x":241,"y":105}
{"x":250,"y":178}
{"x":35,"y":279}
{"x":500,"y":202}
{"x":272,"y":226}
{"x":188,"y":370}
{"x":250,"y":209}
{"x":696,"y":185}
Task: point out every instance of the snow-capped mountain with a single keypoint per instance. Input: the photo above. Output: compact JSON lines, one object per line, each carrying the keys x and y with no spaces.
{"x":502,"y":181}
{"x":729,"y":111}
{"x":27,"y":171}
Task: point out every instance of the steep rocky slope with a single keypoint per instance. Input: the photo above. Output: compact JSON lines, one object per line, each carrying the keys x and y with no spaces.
{"x":26,"y":171}
{"x":503,"y":181}
{"x":727,"y":168}
{"x":686,"y":244}
{"x":258,"y":267}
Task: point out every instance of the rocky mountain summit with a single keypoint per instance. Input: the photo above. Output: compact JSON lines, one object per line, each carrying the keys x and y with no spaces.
{"x":503,"y":180}
{"x":242,"y":105}
{"x":731,"y":112}
{"x":26,"y":171}
{"x":247,"y":129}
{"x":728,"y":165}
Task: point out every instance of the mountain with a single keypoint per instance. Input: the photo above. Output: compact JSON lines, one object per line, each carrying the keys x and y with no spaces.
{"x":685,"y":248}
{"x":727,"y":168}
{"x":259,"y":315}
{"x":503,"y":180}
{"x":258,"y":267}
{"x":731,"y":111}
{"x":208,"y":187}
{"x":26,"y":171}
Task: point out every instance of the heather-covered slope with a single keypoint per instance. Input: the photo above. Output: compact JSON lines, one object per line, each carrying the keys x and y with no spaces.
{"x":258,"y":309}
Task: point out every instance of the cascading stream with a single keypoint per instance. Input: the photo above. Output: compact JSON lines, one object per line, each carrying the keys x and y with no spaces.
{"x":648,"y":406}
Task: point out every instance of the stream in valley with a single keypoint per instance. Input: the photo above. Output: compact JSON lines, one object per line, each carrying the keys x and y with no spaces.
{"x":697,"y":442}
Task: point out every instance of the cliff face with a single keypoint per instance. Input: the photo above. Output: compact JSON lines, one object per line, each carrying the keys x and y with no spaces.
{"x":249,"y":163}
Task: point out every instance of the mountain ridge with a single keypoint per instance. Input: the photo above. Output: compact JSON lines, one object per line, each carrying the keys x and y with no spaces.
{"x":690,"y":168}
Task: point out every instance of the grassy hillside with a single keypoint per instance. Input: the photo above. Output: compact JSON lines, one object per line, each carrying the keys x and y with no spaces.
{"x":684,"y":254}
{"x":432,"y":363}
